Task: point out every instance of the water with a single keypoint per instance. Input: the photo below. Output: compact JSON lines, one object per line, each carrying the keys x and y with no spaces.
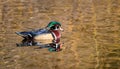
{"x":91,"y":34}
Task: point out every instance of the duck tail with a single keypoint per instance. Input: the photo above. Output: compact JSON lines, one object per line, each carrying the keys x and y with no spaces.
{"x":24,"y":34}
{"x":19,"y":33}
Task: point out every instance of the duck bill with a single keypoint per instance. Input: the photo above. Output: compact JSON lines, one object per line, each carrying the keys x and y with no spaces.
{"x":61,"y":29}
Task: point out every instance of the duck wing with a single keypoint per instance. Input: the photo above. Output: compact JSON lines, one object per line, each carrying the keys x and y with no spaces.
{"x":32,"y":33}
{"x":40,"y":31}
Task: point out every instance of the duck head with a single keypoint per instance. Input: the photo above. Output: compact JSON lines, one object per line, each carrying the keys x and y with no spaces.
{"x":53,"y":25}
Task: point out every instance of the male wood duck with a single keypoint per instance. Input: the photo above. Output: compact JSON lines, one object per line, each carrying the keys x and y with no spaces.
{"x":49,"y":35}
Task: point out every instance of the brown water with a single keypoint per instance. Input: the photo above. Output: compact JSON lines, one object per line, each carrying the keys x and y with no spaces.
{"x":91,"y":34}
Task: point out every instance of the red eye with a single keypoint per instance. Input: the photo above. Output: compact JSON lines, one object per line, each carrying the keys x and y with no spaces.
{"x":57,"y":26}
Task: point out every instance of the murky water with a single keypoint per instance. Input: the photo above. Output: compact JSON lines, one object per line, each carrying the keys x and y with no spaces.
{"x":91,"y":37}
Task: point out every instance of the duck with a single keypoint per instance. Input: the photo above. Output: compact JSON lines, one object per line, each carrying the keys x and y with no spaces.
{"x":49,"y":35}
